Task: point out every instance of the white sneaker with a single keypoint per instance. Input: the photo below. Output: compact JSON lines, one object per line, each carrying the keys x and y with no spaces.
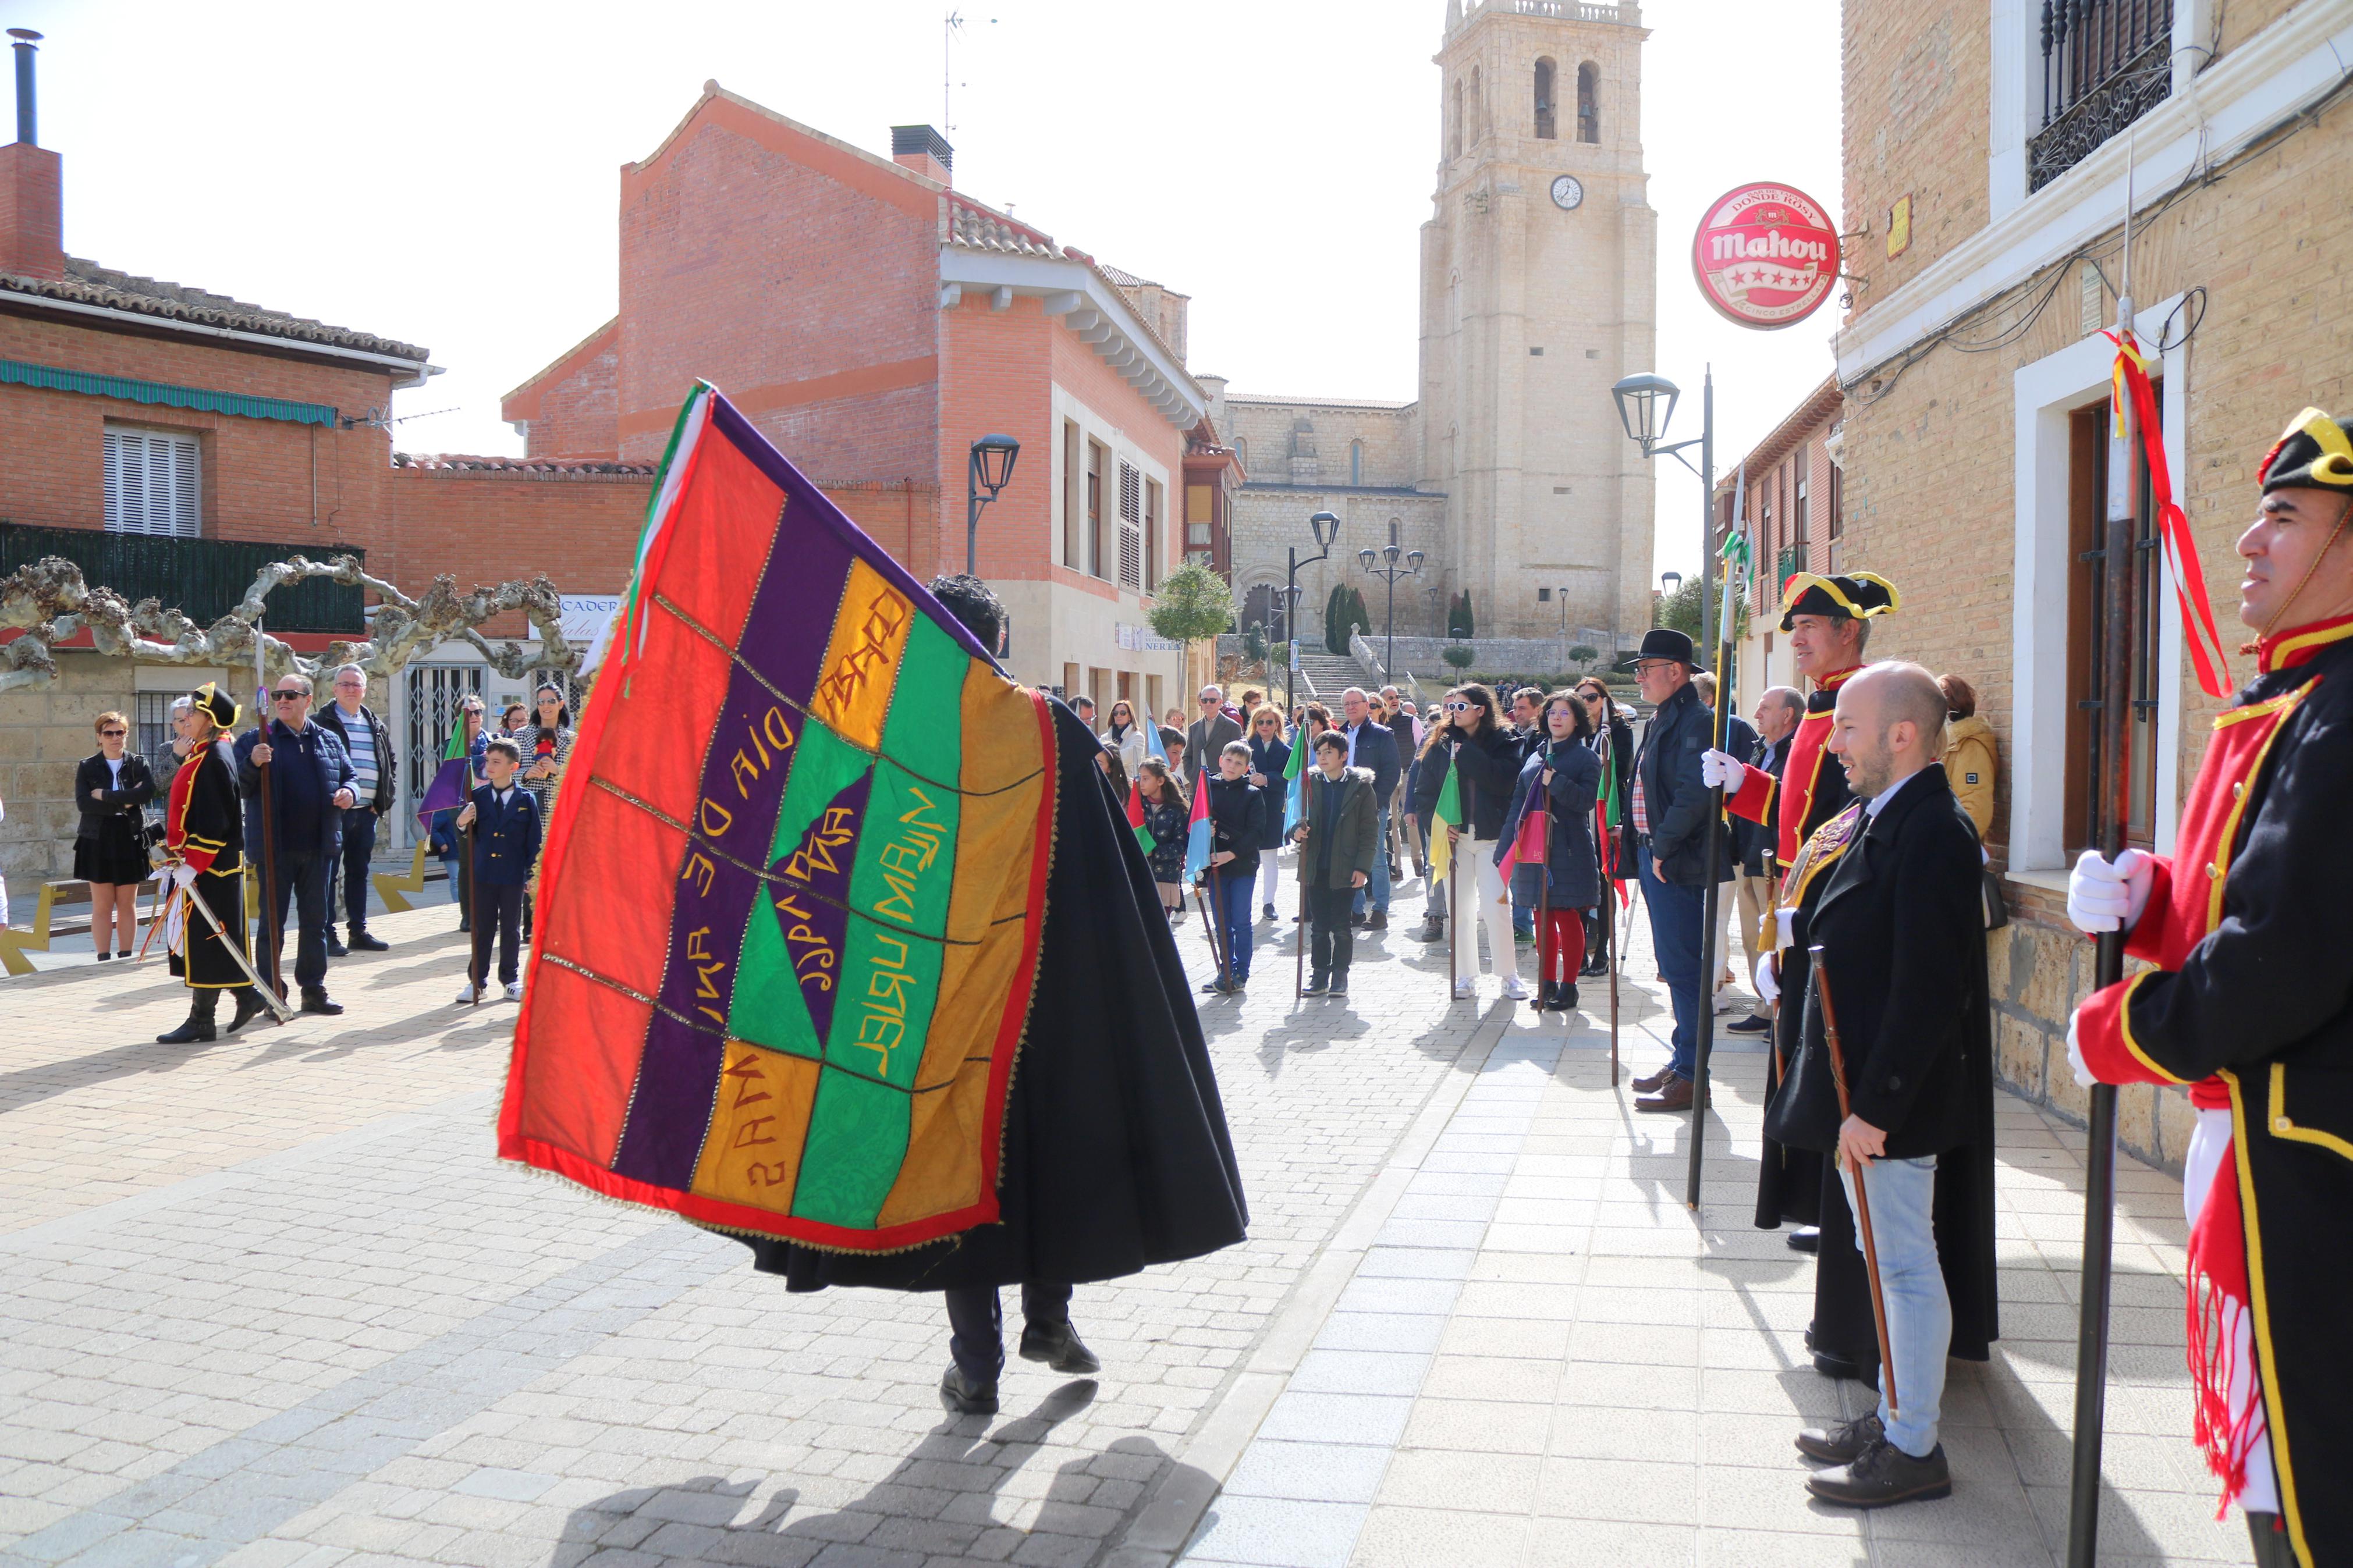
{"x":515,"y":991}
{"x":1465,"y":991}
{"x":1516,"y":989}
{"x":471,"y":994}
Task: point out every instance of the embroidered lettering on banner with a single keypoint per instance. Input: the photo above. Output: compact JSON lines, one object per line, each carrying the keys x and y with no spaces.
{"x":868,"y":655}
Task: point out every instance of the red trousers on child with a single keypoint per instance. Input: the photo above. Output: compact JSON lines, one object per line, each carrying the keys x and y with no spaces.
{"x":1560,"y":947}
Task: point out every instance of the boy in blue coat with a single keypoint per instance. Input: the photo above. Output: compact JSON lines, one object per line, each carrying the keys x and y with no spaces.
{"x":506,"y":820}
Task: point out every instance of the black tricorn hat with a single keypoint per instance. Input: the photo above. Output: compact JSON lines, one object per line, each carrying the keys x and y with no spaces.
{"x":1855,"y":596}
{"x":1660,"y":642}
{"x":210,"y":699}
{"x":2313,"y":453}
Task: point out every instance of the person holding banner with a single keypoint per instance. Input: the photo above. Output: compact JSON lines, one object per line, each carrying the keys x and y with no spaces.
{"x":1898,"y":927}
{"x":204,"y":839}
{"x":1551,"y":824}
{"x":1338,"y":836}
{"x":2251,"y":1003}
{"x":1462,"y":789}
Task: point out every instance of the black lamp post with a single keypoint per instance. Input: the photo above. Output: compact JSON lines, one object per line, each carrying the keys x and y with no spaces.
{"x":1646,"y":402}
{"x":990,"y":468}
{"x":1325,"y":526}
{"x":1390,"y":572}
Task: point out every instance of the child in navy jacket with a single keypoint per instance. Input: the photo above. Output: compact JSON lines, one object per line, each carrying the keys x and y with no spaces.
{"x":506,"y":820}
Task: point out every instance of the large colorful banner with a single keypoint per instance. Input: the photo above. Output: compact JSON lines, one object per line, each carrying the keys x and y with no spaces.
{"x":788,"y":917}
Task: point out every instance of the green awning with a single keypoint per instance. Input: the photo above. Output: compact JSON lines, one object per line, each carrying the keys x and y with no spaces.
{"x":56,"y":379}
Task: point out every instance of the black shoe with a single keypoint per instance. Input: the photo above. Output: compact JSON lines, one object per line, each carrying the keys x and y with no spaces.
{"x":316,"y":1000}
{"x":104,"y":957}
{"x":1378,"y":920}
{"x":1884,"y":1474}
{"x":364,"y":943}
{"x":1841,"y":1445}
{"x":966,"y":1397}
{"x":464,"y":926}
{"x":1751,"y":1025}
{"x":197,"y":1031}
{"x":249,"y":1007}
{"x":335,"y":948}
{"x":1358,"y":920}
{"x":1212,"y":986}
{"x":1805,"y":1239}
{"x":1568,"y":996}
{"x":1317,"y":986}
{"x":1431,"y":930}
{"x":1339,"y":986}
{"x":1059,"y":1347}
{"x":1595,"y":967}
{"x":1268,"y":913}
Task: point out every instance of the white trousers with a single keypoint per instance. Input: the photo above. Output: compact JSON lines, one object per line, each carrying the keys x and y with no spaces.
{"x":2208,"y":1145}
{"x":1269,"y":878}
{"x":1484,"y":887}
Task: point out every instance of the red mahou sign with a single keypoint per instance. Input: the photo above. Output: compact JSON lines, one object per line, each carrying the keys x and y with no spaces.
{"x":1766,"y":255}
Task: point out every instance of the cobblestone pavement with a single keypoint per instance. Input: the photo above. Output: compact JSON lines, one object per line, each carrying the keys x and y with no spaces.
{"x":273,"y":1302}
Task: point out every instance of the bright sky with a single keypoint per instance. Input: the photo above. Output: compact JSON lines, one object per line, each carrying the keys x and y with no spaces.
{"x":448,"y":173}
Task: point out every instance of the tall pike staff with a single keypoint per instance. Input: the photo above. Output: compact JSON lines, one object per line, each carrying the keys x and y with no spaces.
{"x":1703,"y":1030}
{"x":268,"y":819}
{"x":2113,"y":812}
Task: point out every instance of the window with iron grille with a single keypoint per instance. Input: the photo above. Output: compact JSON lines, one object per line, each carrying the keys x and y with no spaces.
{"x":2106,"y":63}
{"x":150,"y":482}
{"x":151,"y":733}
{"x":1130,"y":526}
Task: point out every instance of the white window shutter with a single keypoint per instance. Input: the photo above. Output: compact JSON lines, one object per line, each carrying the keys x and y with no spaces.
{"x":151,"y":479}
{"x":1130,"y":526}
{"x":184,"y":486}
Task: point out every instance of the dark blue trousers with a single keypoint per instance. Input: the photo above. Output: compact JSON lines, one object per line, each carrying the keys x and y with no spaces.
{"x":976,"y":1324}
{"x":309,"y":879}
{"x":359,"y":849}
{"x":1676,"y":939}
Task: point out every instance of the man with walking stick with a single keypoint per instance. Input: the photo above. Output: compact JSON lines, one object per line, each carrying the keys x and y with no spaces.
{"x":1900,"y":925}
{"x":2251,"y":1003}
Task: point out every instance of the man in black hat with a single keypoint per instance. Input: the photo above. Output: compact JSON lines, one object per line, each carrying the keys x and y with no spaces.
{"x":2248,"y":1002}
{"x":1670,"y":812}
{"x":204,"y":839}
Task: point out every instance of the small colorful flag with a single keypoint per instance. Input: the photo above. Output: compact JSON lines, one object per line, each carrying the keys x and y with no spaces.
{"x":1152,"y":746}
{"x":1295,"y":804}
{"x":1447,"y":814}
{"x":1535,"y":826}
{"x":1136,"y":818}
{"x":447,"y":790}
{"x":1197,"y":842}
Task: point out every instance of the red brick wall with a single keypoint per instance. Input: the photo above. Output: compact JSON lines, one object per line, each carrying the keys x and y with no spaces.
{"x":261,"y":478}
{"x":575,"y":411}
{"x":995,"y":379}
{"x":742,"y":218}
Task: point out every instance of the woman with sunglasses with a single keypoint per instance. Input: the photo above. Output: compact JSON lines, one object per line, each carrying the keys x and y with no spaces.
{"x":1612,"y":739}
{"x":1123,"y":738}
{"x":1566,"y":772}
{"x":1269,"y":757}
{"x":1467,"y":741}
{"x":110,"y":849}
{"x":547,"y":743}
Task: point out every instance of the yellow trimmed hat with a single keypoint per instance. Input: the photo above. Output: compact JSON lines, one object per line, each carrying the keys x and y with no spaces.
{"x":1854,"y":595}
{"x":210,"y":699}
{"x":2315,"y":452}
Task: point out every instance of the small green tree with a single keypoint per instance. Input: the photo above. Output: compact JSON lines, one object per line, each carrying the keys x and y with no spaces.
{"x":1255,"y":642}
{"x":1584,"y":653}
{"x":1193,"y":602}
{"x":1460,"y":655}
{"x":1680,"y":610}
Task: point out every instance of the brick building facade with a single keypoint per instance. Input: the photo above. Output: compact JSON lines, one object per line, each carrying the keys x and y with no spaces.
{"x":1988,"y":164}
{"x":1790,"y":507}
{"x":899,"y":321}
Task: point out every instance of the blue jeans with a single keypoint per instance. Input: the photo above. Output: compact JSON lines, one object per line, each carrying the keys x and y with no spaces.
{"x":1231,"y":890}
{"x":1919,"y":1314}
{"x":1676,"y":937}
{"x":1378,"y":888}
{"x":1526,"y":895}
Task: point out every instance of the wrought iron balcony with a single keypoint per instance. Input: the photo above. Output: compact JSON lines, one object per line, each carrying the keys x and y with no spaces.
{"x":2106,"y":63}
{"x":201,"y":578}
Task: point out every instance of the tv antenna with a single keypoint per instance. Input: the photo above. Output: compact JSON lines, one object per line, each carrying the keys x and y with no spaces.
{"x":948,"y":31}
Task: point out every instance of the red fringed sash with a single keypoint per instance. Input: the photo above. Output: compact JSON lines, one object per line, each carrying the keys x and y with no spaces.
{"x":2219,"y":1301}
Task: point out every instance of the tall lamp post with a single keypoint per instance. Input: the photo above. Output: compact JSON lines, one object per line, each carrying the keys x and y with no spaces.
{"x":1390,"y":573}
{"x":1646,"y":402}
{"x":991,"y":468}
{"x":1325,"y":526}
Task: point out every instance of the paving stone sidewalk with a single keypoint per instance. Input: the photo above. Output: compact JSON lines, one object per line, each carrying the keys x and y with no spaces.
{"x":273,"y":1302}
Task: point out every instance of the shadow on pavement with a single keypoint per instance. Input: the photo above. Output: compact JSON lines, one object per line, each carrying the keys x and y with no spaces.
{"x":932,"y":1503}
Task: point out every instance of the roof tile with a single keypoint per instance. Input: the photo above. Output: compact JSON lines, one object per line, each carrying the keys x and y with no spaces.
{"x":88,"y":283}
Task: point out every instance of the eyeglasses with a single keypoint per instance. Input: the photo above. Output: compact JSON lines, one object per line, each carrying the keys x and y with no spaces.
{"x":112,"y":734}
{"x":290,"y":696}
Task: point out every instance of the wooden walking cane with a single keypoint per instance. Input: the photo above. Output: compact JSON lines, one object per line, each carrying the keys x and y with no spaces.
{"x":1221,"y":939}
{"x":1821,"y":980}
{"x":1299,"y":976}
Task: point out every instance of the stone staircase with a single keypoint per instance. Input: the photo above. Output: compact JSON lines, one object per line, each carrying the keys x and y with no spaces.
{"x":1324,"y":675}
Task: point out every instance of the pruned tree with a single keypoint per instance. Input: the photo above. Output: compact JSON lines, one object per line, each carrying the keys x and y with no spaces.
{"x":50,"y":602}
{"x":1192,"y":603}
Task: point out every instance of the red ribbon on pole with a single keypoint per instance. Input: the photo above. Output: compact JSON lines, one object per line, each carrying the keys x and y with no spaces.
{"x":2130,"y":379}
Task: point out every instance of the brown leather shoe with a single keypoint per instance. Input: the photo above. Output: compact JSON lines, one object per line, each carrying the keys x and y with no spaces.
{"x":1654,"y":1082}
{"x":1675,"y":1096}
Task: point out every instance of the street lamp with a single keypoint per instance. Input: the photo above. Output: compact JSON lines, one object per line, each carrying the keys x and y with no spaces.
{"x":1646,"y":404}
{"x":1325,"y":526}
{"x":1390,"y":572}
{"x":990,"y":468}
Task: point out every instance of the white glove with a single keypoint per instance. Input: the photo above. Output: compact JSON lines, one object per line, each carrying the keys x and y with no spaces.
{"x":1722,"y":770}
{"x":2102,"y":896}
{"x":2084,"y":1078}
{"x":184,"y":875}
{"x":1768,"y":981}
{"x":1785,"y":923}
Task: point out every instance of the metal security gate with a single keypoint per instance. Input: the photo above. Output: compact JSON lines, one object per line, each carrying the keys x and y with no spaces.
{"x":434,"y":690}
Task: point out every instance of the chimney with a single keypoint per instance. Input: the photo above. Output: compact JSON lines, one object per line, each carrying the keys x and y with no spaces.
{"x":32,"y":183}
{"x":924,"y":150}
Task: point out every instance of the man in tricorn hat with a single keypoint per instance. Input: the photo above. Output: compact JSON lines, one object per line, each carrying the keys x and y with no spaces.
{"x":204,"y":837}
{"x":1829,"y":622}
{"x":2251,"y":1005}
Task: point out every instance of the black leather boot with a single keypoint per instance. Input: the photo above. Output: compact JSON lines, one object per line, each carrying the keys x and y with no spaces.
{"x":249,"y":1007}
{"x":198,"y":1028}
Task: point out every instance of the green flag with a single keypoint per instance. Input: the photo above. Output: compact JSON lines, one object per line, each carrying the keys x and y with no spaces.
{"x":1447,"y":814}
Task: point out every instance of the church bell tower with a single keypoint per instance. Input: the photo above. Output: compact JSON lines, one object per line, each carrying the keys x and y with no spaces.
{"x":1538,"y":292}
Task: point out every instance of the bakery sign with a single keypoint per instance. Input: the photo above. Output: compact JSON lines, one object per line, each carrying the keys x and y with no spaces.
{"x":1766,"y":255}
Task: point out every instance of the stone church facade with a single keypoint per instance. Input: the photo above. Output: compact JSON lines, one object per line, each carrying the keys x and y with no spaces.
{"x":1538,"y":278}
